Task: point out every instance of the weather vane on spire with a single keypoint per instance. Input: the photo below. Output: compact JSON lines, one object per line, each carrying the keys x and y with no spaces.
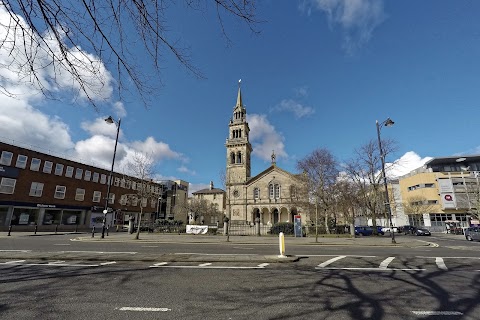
{"x":239,"y":81}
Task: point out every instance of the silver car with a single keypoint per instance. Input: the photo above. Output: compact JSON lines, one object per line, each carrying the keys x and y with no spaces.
{"x":472,"y":233}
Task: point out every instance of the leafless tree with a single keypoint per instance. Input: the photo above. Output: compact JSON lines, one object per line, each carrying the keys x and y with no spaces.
{"x":365,"y":171}
{"x":347,"y":201}
{"x":142,"y":168}
{"x":321,"y":171}
{"x":47,"y":40}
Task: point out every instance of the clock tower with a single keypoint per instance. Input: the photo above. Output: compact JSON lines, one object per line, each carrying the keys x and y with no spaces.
{"x":238,"y":146}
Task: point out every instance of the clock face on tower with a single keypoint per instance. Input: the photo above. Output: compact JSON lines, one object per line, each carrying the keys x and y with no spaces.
{"x":236,"y":193}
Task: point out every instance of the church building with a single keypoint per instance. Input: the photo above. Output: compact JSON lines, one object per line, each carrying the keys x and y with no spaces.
{"x":272,"y":195}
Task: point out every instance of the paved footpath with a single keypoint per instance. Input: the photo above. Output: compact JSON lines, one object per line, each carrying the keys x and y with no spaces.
{"x":384,"y":241}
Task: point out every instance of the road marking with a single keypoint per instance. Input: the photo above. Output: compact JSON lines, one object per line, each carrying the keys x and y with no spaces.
{"x":326,"y":263}
{"x":242,"y":248}
{"x":205,"y":264}
{"x":216,"y":254}
{"x":15,"y":250}
{"x":59,"y":265}
{"x":99,"y":252}
{"x":448,"y":257}
{"x":149,"y":246}
{"x":263,"y":265}
{"x":334,"y":255}
{"x":385,"y":263}
{"x":56,"y":262}
{"x":160,"y":264}
{"x":371,"y":269}
{"x":17,"y":261}
{"x":144,"y":309}
{"x":106,"y":263}
{"x":62,"y":244}
{"x":440,"y":263}
{"x":437,"y":313}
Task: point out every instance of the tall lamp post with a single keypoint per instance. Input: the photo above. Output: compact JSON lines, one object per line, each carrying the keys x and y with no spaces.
{"x":110,"y":120}
{"x":387,"y":123}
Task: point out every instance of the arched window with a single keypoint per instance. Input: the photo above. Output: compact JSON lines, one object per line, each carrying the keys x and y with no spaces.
{"x":256,"y":193}
{"x":239,"y":157}
{"x":274,"y":191}
{"x":232,"y":158}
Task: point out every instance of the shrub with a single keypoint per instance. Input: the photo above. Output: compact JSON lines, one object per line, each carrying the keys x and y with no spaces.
{"x":285,"y":227}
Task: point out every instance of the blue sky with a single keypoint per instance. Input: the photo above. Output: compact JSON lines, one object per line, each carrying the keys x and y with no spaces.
{"x":318,"y":75}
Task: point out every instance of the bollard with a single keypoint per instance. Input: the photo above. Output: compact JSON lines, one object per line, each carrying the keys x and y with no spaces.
{"x":93,"y":231}
{"x":9,"y":229}
{"x":281,"y":240}
{"x":56,"y":229}
{"x":76,"y":228}
{"x":108,"y":227}
{"x":36,"y":228}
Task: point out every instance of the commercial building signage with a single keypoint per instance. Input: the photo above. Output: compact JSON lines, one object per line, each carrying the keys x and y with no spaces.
{"x":9,"y":172}
{"x":448,"y":200}
{"x":39,"y":205}
{"x":445,"y":185}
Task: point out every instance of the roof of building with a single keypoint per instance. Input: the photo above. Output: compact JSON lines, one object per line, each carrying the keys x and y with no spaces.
{"x":209,"y":191}
{"x":453,"y":159}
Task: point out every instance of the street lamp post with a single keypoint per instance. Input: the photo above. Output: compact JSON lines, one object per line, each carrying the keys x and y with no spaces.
{"x":387,"y":123}
{"x":109,"y":184}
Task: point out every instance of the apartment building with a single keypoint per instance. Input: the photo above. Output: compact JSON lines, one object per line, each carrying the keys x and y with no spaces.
{"x":38,"y":188}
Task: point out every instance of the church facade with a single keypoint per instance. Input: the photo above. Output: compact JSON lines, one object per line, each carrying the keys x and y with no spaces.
{"x":269,"y":197}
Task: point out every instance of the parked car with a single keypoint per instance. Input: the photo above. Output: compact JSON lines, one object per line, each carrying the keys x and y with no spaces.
{"x":380,"y":230}
{"x":472,"y":233}
{"x":387,"y":229}
{"x":422,"y":232}
{"x":407,"y":229}
{"x":363,"y":231}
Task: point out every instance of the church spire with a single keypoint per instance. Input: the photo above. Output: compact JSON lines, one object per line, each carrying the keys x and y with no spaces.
{"x":239,"y":96}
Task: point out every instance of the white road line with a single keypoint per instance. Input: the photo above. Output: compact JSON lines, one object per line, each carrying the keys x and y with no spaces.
{"x":149,"y":246}
{"x":15,"y":250}
{"x":437,"y":313}
{"x":62,"y":244}
{"x":448,"y":257}
{"x":17,"y":261}
{"x":385,"y":263}
{"x":216,"y":254}
{"x":326,"y":263}
{"x":206,"y":267}
{"x":335,"y":255}
{"x":106,"y":263}
{"x":440,"y":263}
{"x":144,"y":309}
{"x":205,"y":264}
{"x":263,"y":265}
{"x":59,"y":265}
{"x":99,"y":252}
{"x":160,"y":264}
{"x":371,"y":269}
{"x":56,"y":262}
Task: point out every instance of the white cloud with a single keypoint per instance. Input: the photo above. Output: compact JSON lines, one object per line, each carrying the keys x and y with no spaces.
{"x":30,"y":68}
{"x":184,"y":169}
{"x":408,"y":162}
{"x":194,"y":187}
{"x":264,"y":138}
{"x":357,"y":18}
{"x":295,"y":107}
{"x":100,"y":127}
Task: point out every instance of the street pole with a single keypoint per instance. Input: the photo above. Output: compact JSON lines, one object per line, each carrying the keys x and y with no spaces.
{"x":109,"y":184}
{"x":382,"y":157}
{"x":316,"y":219}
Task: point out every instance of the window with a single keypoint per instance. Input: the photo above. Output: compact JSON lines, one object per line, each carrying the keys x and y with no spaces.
{"x":97,"y":196}
{"x":95,"y":177}
{"x":47,"y":167}
{"x":78,"y":173}
{"x":116,"y":182}
{"x":103,"y":178}
{"x":232,"y":158}
{"x":293,"y":192}
{"x":80,"y":194}
{"x":122,"y":183}
{"x":88,"y":174}
{"x":69,"y":172}
{"x":58,"y":169}
{"x":6,"y":158}
{"x":274,"y":191}
{"x":144,"y":202}
{"x":21,"y":161}
{"x":134,"y":201}
{"x":429,"y":185}
{"x":60,"y":192}
{"x":111,"y":198}
{"x":7,"y":185}
{"x":35,"y":164}
{"x":134,"y":185}
{"x":123,"y":199}
{"x":239,"y":157}
{"x":256,"y":193}
{"x":36,"y":189}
